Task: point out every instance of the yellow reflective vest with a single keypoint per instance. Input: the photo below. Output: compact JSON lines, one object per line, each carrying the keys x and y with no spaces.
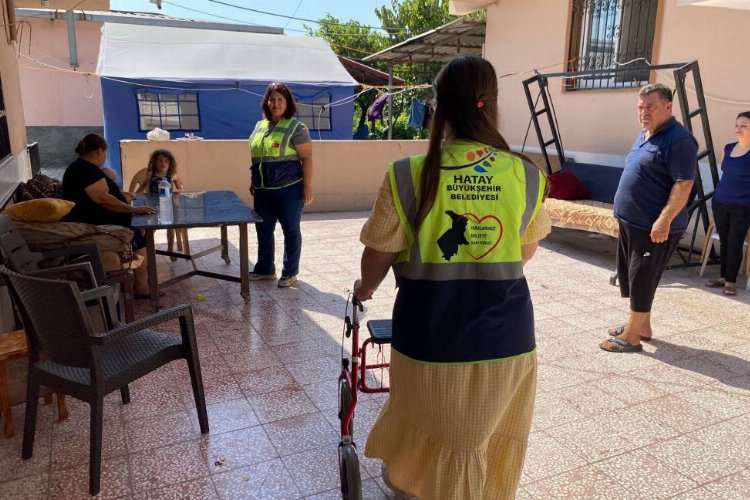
{"x":275,"y":163}
{"x":462,"y":295}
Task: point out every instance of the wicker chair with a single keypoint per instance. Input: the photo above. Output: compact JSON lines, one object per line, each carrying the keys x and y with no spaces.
{"x":87,"y":271}
{"x":88,"y":365}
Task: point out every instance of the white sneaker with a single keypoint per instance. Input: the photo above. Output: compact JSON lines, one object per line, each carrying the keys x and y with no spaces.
{"x":287,"y":281}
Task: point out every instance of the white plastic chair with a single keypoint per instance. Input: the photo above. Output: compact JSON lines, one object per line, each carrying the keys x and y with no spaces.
{"x":711,"y":242}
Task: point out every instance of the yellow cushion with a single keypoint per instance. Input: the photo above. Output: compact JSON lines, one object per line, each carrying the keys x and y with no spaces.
{"x":39,"y":210}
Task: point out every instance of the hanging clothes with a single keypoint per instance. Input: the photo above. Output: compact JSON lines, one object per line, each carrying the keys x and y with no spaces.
{"x":376,"y":110}
{"x":417,"y":113}
{"x":427,"y":117}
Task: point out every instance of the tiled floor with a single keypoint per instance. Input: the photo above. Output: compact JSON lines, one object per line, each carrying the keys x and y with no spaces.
{"x":667,"y":423}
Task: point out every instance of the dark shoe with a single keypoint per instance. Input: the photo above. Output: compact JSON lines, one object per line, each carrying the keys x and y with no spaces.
{"x":615,"y":344}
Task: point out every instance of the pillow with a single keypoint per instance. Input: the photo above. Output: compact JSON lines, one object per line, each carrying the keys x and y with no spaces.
{"x":40,"y":210}
{"x":566,"y":186}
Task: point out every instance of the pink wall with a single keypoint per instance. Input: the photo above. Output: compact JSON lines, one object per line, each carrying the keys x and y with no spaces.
{"x":601,"y":125}
{"x":60,"y":98}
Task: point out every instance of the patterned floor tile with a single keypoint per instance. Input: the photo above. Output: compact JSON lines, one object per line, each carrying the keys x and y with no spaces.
{"x":546,"y":457}
{"x":273,"y":378}
{"x":159,"y":431}
{"x":74,"y":482}
{"x":314,"y":471}
{"x":35,"y":486}
{"x":734,"y":487}
{"x":664,"y":422}
{"x":232,"y":450}
{"x":728,"y":437}
{"x":230,"y":416}
{"x":264,"y":481}
{"x":586,"y":483}
{"x":315,"y":370}
{"x":166,"y":466}
{"x":301,"y":433}
{"x":282,"y":404}
{"x":202,"y":488}
{"x":692,"y":458}
{"x":638,"y":471}
{"x":70,"y":449}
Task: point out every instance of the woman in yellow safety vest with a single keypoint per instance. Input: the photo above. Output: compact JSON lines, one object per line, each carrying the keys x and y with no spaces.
{"x":281,"y":185}
{"x":457,"y":225}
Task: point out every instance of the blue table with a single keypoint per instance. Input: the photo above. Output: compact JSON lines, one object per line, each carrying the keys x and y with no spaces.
{"x":205,"y":209}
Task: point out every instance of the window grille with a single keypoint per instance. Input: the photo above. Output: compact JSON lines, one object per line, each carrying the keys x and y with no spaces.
{"x":168,"y":111}
{"x":315,"y":112}
{"x":608,"y":33}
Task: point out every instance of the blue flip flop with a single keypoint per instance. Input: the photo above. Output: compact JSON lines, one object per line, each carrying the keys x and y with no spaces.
{"x":615,"y":344}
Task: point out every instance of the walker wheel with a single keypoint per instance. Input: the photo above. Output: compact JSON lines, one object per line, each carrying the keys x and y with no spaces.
{"x":351,"y":481}
{"x":227,"y":260}
{"x":345,"y":400}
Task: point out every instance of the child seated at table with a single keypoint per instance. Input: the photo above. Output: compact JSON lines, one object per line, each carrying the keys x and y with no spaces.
{"x":161,"y":165}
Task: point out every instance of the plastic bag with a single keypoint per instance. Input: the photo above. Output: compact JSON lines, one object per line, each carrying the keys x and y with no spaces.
{"x":158,"y":135}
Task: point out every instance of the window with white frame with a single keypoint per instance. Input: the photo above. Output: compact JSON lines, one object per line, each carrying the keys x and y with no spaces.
{"x":315,"y":112}
{"x":168,"y":110}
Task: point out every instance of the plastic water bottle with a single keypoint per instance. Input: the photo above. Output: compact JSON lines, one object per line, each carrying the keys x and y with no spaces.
{"x":165,"y":188}
{"x":166,"y":215}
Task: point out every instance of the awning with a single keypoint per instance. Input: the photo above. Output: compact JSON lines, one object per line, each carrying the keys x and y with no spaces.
{"x":463,"y":7}
{"x":727,"y":4}
{"x":368,"y":75}
{"x":464,"y":36}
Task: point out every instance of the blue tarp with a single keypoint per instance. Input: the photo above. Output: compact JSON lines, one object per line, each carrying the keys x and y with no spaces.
{"x":224,"y":114}
{"x":228,"y":72}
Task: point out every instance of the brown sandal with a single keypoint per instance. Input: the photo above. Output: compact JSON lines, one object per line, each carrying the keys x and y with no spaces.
{"x":717,"y":283}
{"x":730,"y":290}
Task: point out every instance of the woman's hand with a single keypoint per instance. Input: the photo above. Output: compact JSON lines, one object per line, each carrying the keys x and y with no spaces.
{"x":252,"y":190}
{"x":144,"y":210}
{"x":129,"y":197}
{"x":360,"y":293}
{"x":307,"y":194}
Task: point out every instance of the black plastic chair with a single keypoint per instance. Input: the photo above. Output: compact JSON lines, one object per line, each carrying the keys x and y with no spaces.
{"x":87,"y":270}
{"x":67,"y":356}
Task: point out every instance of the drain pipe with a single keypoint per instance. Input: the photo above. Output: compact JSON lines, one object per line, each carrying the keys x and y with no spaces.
{"x":11,"y":8}
{"x":390,"y":101}
{"x":72,"y":39}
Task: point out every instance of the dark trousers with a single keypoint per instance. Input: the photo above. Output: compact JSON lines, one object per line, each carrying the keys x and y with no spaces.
{"x":640,"y":264}
{"x":285,"y":206}
{"x":732,"y":223}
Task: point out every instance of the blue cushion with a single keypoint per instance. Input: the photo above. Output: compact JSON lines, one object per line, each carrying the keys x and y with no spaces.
{"x":601,"y":180}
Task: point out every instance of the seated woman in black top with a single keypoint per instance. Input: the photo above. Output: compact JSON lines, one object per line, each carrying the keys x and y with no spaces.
{"x":98,"y":200}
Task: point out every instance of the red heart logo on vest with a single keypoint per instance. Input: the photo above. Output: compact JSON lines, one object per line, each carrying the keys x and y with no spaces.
{"x":485,"y":232}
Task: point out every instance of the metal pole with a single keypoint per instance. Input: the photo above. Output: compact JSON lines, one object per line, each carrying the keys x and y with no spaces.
{"x":72,"y":39}
{"x":390,"y":101}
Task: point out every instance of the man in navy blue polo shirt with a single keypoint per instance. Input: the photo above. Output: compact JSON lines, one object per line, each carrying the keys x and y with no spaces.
{"x":650,"y":206}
